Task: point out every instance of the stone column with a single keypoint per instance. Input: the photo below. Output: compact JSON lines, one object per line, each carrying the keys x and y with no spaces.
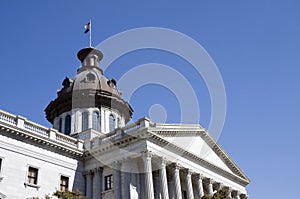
{"x":217,"y":186}
{"x":235,"y":194}
{"x":188,"y":179}
{"x":176,"y":175}
{"x":89,"y":184}
{"x":156,"y":184}
{"x":97,"y":183}
{"x":125,"y":179}
{"x":163,"y":179}
{"x":198,"y":186}
{"x":148,"y":175}
{"x":229,"y":192}
{"x":117,"y":179}
{"x":209,"y":186}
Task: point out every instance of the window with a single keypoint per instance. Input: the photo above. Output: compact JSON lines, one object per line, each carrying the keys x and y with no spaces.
{"x":68,"y":125}
{"x":32,"y":175}
{"x":64,"y":183}
{"x":60,"y":125}
{"x":0,"y":165}
{"x":111,"y":122}
{"x":96,"y":121}
{"x":109,"y":182}
{"x":85,"y":121}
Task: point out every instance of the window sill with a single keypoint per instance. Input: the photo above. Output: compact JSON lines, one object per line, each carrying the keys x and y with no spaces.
{"x":32,"y":185}
{"x":107,"y":191}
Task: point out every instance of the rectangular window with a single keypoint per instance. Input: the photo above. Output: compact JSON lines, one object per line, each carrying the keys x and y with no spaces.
{"x":32,"y":175}
{"x":64,"y":183}
{"x":109,"y":182}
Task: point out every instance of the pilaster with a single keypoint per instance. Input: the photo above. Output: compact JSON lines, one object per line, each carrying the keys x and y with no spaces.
{"x":89,"y":184}
{"x":97,"y":183}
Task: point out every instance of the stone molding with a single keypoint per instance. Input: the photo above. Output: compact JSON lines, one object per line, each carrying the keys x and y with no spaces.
{"x":36,"y":155}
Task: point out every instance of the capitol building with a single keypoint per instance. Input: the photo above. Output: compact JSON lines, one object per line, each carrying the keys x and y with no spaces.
{"x":93,"y":148}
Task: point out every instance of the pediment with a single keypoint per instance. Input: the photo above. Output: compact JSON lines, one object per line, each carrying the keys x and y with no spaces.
{"x":196,"y":140}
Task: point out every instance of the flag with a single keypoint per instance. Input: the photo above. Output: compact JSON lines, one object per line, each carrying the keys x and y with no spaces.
{"x":87,"y":27}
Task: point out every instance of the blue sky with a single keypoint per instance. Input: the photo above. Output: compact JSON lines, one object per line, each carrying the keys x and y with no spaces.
{"x":255,"y":44}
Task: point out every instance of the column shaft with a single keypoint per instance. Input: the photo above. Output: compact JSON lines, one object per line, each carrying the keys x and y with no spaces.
{"x":177,"y":183}
{"x":125,"y":184}
{"x":210,"y":187}
{"x":189,"y":184}
{"x":163,"y":180}
{"x":117,"y":180}
{"x":148,"y":176}
{"x":199,"y":186}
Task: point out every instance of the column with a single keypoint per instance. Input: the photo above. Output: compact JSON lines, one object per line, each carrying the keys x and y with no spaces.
{"x":217,"y":186}
{"x":228,"y":189}
{"x":163,"y":179}
{"x":188,"y":178}
{"x":117,"y":179}
{"x":125,"y":179}
{"x":97,"y":183}
{"x":198,"y":186}
{"x":177,"y":187}
{"x":209,"y":187}
{"x":148,"y":175}
{"x":89,"y":184}
{"x":156,"y":184}
{"x":235,"y":194}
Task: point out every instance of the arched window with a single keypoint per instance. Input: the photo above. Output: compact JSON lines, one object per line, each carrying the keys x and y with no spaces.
{"x":96,"y":121}
{"x":68,"y":125}
{"x":60,"y":125}
{"x":111,"y":123}
{"x":85,"y":121}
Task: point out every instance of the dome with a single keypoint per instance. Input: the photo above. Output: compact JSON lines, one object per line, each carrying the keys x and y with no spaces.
{"x":89,"y":88}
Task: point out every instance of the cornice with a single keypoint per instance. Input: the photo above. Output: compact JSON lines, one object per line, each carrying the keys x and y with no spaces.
{"x":37,"y":155}
{"x":40,"y":140}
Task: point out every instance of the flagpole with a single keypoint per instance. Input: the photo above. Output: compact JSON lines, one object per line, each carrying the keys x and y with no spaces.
{"x":90,"y":33}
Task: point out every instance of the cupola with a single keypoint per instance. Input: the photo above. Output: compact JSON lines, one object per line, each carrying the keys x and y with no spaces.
{"x":89,"y":103}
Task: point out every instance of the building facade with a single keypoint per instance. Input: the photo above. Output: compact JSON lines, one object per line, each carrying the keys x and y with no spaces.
{"x":92,"y":148}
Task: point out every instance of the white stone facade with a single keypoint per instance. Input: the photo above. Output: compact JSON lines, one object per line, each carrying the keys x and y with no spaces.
{"x":141,"y":162}
{"x":24,"y":144}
